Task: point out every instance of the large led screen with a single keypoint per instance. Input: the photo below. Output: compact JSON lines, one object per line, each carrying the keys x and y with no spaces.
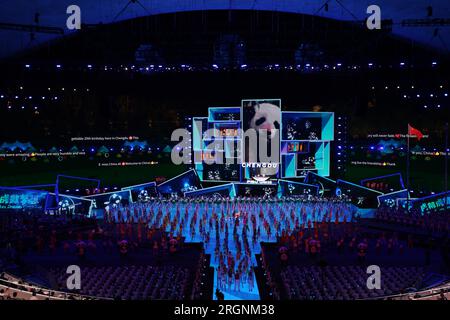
{"x":261,"y":115}
{"x":12,"y":199}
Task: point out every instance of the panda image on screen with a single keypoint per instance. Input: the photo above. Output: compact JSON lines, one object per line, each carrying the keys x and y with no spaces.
{"x":297,"y":128}
{"x":266,"y":117}
{"x":261,"y":115}
{"x":114,"y":201}
{"x":143,"y":196}
{"x":66,"y":206}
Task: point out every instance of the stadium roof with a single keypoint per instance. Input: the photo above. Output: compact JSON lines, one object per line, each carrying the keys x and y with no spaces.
{"x":52,"y":13}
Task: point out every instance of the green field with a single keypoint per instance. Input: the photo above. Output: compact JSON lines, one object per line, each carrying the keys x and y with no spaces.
{"x":425,"y":175}
{"x":45,"y":173}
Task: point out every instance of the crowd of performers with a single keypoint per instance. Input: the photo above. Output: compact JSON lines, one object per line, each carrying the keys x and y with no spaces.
{"x":231,"y":230}
{"x":433,"y":222}
{"x":342,"y":238}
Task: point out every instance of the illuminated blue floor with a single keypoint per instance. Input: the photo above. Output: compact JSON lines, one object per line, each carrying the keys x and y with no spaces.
{"x":244,"y":293}
{"x":230,"y":294}
{"x":276,"y":217}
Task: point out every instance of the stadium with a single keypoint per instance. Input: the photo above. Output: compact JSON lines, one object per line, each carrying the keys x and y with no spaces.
{"x":224,"y":150}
